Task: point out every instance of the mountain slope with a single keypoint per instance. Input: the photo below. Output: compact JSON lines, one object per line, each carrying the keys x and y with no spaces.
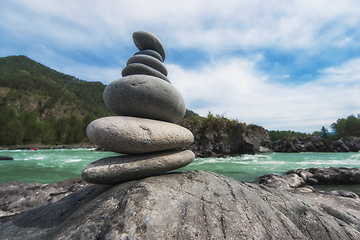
{"x":39,"y":104}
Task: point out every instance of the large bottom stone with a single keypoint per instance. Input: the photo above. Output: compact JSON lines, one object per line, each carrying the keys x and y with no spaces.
{"x":130,"y":167}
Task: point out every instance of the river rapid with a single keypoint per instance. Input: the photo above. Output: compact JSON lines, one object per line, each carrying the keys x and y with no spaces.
{"x":52,"y":165}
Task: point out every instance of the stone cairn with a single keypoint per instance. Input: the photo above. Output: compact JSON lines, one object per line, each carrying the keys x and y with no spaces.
{"x":147,"y":107}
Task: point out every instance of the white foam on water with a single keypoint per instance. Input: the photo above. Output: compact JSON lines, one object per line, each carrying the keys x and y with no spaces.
{"x":73,"y":160}
{"x":245,"y":167}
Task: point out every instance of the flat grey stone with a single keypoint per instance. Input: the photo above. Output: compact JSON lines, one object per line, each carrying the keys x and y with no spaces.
{"x":130,"y":167}
{"x":144,"y":40}
{"x":150,"y":52}
{"x":139,"y":68}
{"x":149,"y":61}
{"x":137,"y":135}
{"x":144,"y":96}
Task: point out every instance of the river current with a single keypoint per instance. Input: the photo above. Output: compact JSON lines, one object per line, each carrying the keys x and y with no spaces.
{"x":52,"y":165}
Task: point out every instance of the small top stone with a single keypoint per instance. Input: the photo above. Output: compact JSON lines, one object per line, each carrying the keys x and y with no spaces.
{"x":145,"y":40}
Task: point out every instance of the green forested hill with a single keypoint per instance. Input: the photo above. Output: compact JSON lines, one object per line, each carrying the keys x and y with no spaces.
{"x":39,"y":104}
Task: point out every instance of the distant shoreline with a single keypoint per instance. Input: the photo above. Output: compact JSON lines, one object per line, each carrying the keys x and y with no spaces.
{"x":43,"y":146}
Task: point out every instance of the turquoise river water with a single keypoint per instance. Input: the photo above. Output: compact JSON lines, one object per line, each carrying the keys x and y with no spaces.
{"x":52,"y":165}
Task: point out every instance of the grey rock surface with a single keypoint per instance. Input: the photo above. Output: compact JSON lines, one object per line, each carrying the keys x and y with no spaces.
{"x":144,"y":40}
{"x":189,"y":205}
{"x":135,"y":166}
{"x":6,"y":158}
{"x":310,"y":176}
{"x":353,"y":143}
{"x":282,"y":182}
{"x":209,"y":141}
{"x":150,"y":53}
{"x":137,"y":135}
{"x":144,"y":96}
{"x":149,"y":61}
{"x":329,"y":176}
{"x":315,"y":144}
{"x":139,"y":68}
{"x":344,"y":193}
{"x":17,"y":197}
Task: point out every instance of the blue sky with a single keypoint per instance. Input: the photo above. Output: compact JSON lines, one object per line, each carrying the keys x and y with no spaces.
{"x":284,"y":65}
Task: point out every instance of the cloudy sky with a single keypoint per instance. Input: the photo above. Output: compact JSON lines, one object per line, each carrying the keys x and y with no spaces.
{"x":284,"y":65}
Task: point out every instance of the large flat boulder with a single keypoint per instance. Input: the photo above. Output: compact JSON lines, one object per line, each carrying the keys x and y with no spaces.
{"x":189,"y":205}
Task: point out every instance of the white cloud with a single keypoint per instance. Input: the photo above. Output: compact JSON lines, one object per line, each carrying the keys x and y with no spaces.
{"x":237,"y":88}
{"x":206,"y":25}
{"x":57,"y":32}
{"x":348,"y":72}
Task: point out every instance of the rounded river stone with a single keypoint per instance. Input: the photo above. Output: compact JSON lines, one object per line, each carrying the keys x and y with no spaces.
{"x":130,"y":167}
{"x":139,"y":68}
{"x":137,"y":135}
{"x":149,"y":61}
{"x":144,"y":96}
{"x":144,"y":40}
{"x":150,"y":52}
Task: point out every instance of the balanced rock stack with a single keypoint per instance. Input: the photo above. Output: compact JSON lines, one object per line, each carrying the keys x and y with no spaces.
{"x":147,"y":105}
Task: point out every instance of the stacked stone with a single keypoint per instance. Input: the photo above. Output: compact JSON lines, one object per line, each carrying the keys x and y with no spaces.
{"x":147,"y":106}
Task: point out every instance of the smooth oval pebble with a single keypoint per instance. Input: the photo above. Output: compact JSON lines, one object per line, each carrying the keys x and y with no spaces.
{"x":130,"y":167}
{"x":144,"y":96}
{"x":139,"y":68}
{"x":137,"y":135}
{"x":149,"y":61}
{"x":150,"y":52}
{"x":144,"y":40}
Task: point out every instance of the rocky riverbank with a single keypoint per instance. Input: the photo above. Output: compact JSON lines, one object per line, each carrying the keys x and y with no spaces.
{"x":304,"y":179}
{"x":189,"y":205}
{"x":212,"y":143}
{"x":315,"y":144}
{"x":222,"y":137}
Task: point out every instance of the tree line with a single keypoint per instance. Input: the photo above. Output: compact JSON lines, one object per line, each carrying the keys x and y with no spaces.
{"x":343,"y":127}
{"x":41,"y":105}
